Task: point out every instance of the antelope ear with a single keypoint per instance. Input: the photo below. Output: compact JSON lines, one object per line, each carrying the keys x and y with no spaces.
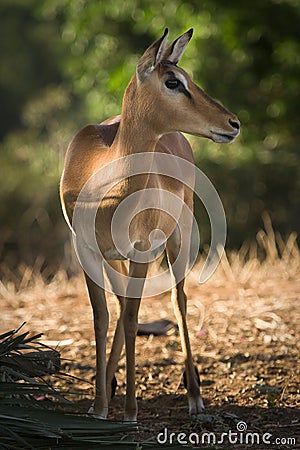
{"x":152,"y":57}
{"x":174,"y":51}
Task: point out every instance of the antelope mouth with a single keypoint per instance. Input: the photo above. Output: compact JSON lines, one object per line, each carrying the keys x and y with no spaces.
{"x":224,"y":137}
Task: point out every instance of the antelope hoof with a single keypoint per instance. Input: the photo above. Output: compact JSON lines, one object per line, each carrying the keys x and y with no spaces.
{"x":96,"y":416}
{"x":196,"y":406}
{"x":130,"y":416}
{"x":131,"y":420}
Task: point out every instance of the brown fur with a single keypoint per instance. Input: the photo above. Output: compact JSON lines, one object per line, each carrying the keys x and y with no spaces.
{"x":151,"y":120}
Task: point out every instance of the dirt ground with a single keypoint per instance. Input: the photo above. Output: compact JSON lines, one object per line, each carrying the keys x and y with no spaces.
{"x":243,"y":323}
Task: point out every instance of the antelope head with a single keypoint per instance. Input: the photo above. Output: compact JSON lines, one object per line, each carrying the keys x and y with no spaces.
{"x":165,"y":96}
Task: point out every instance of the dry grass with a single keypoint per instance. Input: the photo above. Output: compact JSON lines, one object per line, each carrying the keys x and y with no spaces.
{"x":243,"y":325}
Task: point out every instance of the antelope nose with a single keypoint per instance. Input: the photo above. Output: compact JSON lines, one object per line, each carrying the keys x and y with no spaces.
{"x":235,"y":124}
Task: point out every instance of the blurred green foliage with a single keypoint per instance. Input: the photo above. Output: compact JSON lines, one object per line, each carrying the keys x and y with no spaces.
{"x":66,"y":63}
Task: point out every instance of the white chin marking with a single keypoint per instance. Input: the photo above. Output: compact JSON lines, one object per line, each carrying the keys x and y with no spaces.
{"x":222,"y":139}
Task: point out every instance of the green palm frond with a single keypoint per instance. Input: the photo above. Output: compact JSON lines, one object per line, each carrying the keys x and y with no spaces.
{"x":24,"y":420}
{"x":26,"y":423}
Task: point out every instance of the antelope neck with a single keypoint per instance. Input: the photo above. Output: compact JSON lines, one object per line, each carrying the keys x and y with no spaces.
{"x":134,"y":136}
{"x":135,"y":133}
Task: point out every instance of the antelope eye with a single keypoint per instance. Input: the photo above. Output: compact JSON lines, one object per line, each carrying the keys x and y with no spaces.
{"x":172,"y":84}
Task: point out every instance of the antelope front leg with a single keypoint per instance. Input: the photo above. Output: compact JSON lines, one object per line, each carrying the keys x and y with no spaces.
{"x":179,"y":300}
{"x":119,"y":287}
{"x":136,"y":270}
{"x":196,"y":405}
{"x":101,"y":319}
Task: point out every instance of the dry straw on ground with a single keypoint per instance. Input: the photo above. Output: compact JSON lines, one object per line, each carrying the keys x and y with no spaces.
{"x":243,"y":325}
